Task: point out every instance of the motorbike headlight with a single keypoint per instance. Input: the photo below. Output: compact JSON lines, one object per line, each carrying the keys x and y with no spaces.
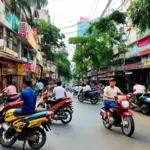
{"x":125,"y":104}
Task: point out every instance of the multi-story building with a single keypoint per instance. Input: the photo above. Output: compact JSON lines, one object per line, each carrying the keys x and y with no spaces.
{"x":17,"y":48}
{"x":82,"y":26}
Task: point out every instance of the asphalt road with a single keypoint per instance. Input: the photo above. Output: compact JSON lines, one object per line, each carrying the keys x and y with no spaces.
{"x":86,"y":132}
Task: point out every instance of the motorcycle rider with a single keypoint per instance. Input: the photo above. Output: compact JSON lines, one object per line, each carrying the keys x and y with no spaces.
{"x":58,"y":92}
{"x":11,"y":89}
{"x":110,"y":92}
{"x":138,"y":90}
{"x":28,"y":96}
{"x":86,"y":88}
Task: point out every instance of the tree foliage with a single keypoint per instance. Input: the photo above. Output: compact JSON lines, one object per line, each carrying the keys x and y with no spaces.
{"x":51,"y":38}
{"x":139,"y":12}
{"x":96,"y":48}
{"x":63,"y":65}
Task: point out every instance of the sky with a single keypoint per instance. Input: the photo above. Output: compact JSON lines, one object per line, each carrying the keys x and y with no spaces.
{"x":67,"y":12}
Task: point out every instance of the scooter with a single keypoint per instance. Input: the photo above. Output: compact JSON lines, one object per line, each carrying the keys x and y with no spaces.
{"x":143,"y":103}
{"x":62,"y":108}
{"x":92,"y":96}
{"x":120,"y":116}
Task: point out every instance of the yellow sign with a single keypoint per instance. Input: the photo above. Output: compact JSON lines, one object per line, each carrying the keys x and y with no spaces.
{"x":20,"y":69}
{"x":9,"y":51}
{"x":147,"y":63}
{"x":32,"y":40}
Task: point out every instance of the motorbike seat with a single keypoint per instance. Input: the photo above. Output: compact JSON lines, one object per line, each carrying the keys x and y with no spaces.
{"x":36,"y":116}
{"x":12,"y":97}
{"x":54,"y":101}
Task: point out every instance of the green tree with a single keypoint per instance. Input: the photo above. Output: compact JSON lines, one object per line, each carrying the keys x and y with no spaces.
{"x":139,"y":12}
{"x":95,"y":49}
{"x":51,"y":38}
{"x":63,"y":65}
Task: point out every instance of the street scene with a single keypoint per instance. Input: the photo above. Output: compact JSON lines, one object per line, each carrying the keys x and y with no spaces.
{"x":86,"y":131}
{"x":74,"y":74}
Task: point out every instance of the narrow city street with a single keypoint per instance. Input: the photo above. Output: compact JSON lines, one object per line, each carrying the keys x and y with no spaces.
{"x":86,"y":131}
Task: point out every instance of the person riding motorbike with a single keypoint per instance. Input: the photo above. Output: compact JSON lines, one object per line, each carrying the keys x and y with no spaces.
{"x":138,"y":90}
{"x":110,"y":92}
{"x":28,"y":96}
{"x":58,"y":92}
{"x":11,"y":89}
{"x":86,"y":88}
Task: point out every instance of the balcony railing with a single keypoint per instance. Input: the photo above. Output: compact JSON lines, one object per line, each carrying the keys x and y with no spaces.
{"x":25,"y":32}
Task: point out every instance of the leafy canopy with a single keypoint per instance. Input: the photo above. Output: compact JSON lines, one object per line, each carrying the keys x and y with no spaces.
{"x":95,"y":49}
{"x":139,"y":12}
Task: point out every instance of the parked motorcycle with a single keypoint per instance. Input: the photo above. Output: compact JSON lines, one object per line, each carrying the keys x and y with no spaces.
{"x":120,"y":116}
{"x":62,"y":108}
{"x":92,"y":96}
{"x":7,"y":98}
{"x":25,"y":128}
{"x":143,"y":103}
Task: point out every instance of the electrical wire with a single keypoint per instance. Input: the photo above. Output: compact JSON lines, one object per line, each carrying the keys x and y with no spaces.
{"x":103,"y":13}
{"x":90,"y":14}
{"x":95,"y":8}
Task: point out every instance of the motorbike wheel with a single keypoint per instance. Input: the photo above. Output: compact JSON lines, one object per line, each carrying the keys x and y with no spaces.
{"x":68,"y":115}
{"x":41,"y":105}
{"x":145,"y":109}
{"x":128,"y":128}
{"x":107,"y":125}
{"x":41,"y":138}
{"x":94,"y":99}
{"x":81,"y":98}
{"x":5,"y":142}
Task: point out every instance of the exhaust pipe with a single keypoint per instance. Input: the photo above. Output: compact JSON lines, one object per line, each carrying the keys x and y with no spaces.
{"x":32,"y":138}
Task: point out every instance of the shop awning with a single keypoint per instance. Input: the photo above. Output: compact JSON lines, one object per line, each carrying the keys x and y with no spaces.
{"x":4,"y":57}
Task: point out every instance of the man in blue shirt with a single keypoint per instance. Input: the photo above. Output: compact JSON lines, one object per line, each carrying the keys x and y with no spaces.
{"x":28,"y":96}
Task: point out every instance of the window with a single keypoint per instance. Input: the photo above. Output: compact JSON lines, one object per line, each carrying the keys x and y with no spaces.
{"x":24,"y":53}
{"x":31,"y":56}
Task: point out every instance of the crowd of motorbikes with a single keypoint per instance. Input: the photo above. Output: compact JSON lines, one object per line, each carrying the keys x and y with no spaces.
{"x":30,"y":128}
{"x":33,"y":128}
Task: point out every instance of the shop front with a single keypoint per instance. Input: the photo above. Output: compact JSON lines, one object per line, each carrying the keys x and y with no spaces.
{"x":11,"y":73}
{"x":137,"y":73}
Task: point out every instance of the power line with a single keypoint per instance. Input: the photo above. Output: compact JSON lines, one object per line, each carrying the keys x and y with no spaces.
{"x":95,"y":8}
{"x":94,"y":2}
{"x":103,"y":13}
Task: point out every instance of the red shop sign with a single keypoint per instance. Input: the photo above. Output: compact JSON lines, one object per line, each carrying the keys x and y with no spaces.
{"x":130,"y":66}
{"x":34,"y":68}
{"x":26,"y":67}
{"x":144,"y":42}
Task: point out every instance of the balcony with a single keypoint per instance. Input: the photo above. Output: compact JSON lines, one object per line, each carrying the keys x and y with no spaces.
{"x":27,"y":35}
{"x":4,"y":22}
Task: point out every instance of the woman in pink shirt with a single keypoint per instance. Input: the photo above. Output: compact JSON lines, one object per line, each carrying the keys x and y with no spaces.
{"x":11,"y":89}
